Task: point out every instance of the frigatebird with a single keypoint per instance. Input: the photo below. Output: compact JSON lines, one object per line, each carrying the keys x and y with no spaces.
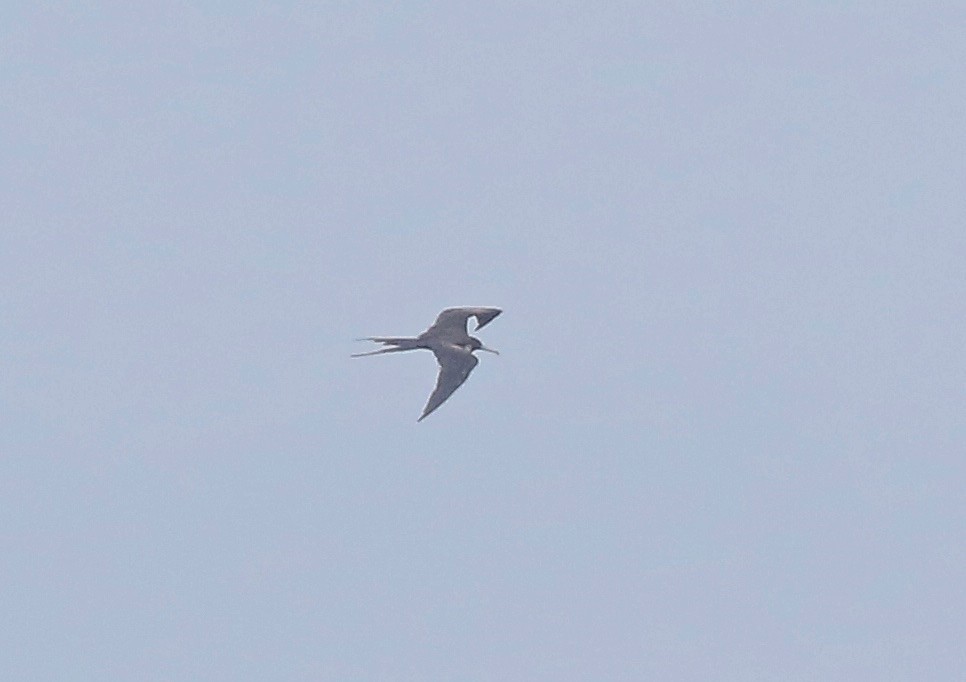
{"x":450,"y":343}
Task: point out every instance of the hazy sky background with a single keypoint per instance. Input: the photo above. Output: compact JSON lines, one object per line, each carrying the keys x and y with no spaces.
{"x":724,"y":439}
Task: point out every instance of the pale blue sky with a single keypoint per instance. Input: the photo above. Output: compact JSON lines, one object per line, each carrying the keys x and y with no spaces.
{"x":725,"y":436}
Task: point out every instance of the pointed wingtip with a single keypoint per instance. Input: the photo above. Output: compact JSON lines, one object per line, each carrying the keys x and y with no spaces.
{"x":486,"y":315}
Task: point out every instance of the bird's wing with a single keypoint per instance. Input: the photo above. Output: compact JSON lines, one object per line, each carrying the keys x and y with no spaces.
{"x":455,"y":365}
{"x":454,"y":319}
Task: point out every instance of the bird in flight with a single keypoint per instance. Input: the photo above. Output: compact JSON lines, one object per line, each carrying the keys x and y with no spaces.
{"x":450,"y":343}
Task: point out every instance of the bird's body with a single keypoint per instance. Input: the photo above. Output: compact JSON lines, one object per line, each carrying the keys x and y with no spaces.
{"x":450,"y":343}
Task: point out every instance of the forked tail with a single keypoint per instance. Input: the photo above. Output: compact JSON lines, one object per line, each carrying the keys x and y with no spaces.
{"x":398,"y":344}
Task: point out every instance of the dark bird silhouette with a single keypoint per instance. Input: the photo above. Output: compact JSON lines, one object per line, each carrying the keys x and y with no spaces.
{"x":450,"y":343}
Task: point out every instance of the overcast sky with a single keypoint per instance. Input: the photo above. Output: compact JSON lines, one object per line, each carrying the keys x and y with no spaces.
{"x":725,"y":436}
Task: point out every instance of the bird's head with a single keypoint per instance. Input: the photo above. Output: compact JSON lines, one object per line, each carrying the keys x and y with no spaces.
{"x":476,"y":344}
